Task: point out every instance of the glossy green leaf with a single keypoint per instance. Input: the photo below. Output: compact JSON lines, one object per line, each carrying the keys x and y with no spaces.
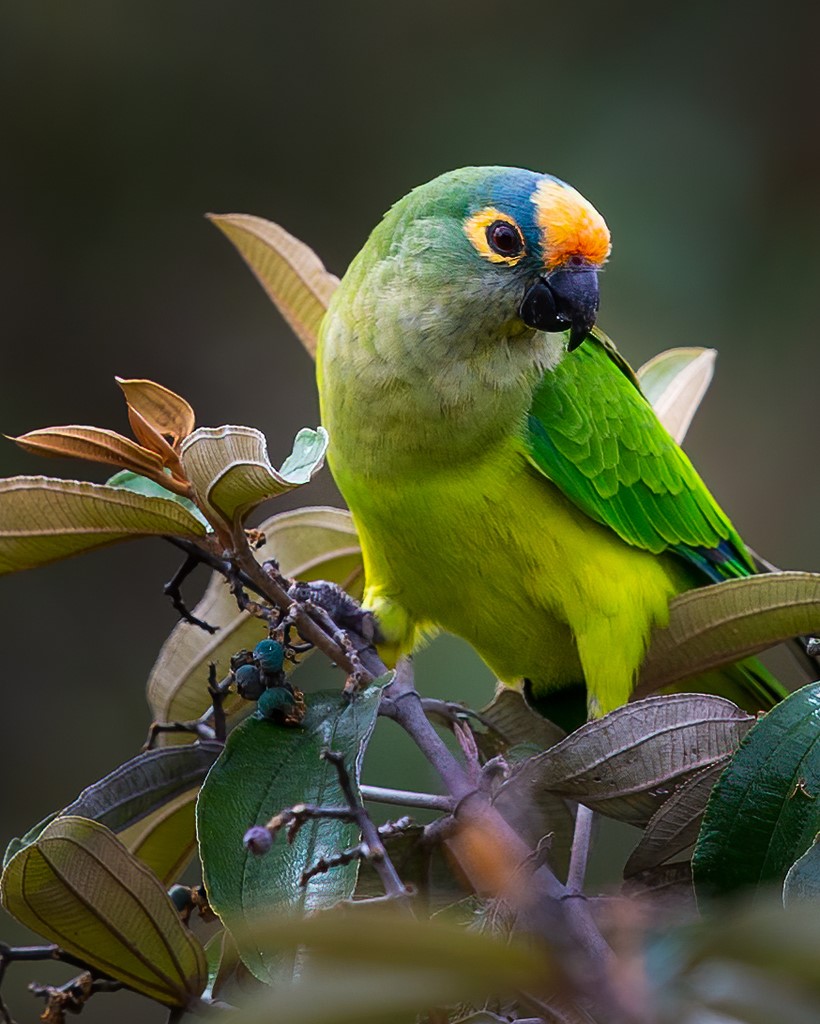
{"x":142,"y":485}
{"x":675,"y":825}
{"x":309,"y":544}
{"x":765,"y":809}
{"x":264,"y":769}
{"x":290,"y":272}
{"x":803,"y":877}
{"x":722,"y":623}
{"x":43,"y":519}
{"x":78,"y":886}
{"x":230,"y":471}
{"x":675,"y":382}
{"x":629,"y":762}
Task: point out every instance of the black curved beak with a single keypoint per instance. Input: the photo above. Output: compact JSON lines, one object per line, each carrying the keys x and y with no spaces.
{"x":567,"y":300}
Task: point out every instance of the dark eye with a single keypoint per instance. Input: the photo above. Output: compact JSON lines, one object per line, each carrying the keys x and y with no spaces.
{"x":504,"y":238}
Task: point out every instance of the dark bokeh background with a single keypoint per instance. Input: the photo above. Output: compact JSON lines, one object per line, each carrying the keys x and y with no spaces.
{"x":694,"y":129}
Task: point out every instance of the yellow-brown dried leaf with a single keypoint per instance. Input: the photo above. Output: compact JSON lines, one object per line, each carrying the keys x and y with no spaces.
{"x":166,"y":412}
{"x":92,"y":443}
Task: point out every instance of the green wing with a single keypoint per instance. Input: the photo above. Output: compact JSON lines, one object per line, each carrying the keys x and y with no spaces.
{"x":592,"y":432}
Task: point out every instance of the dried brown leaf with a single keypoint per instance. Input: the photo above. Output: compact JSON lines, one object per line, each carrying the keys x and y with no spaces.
{"x":163,"y":410}
{"x":92,"y":443}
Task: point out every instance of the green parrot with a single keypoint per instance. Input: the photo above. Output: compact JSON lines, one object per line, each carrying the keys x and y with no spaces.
{"x":508,"y":480}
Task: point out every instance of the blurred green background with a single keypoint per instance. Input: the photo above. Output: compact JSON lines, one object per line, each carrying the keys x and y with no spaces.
{"x":692,"y":128}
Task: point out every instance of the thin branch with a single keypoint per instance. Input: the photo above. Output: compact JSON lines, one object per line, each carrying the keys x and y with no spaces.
{"x":173,"y":590}
{"x":30,"y":954}
{"x":406,"y":798}
{"x":541,"y":905}
{"x":72,"y":996}
{"x":337,"y":860}
{"x":579,"y":854}
{"x":270,"y":589}
{"x":386,"y":870}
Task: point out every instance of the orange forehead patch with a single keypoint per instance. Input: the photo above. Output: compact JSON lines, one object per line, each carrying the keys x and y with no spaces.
{"x":570,"y":225}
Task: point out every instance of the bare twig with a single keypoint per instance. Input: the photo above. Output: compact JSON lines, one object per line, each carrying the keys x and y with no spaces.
{"x":172,"y":590}
{"x":29,"y":954}
{"x":542,"y":905}
{"x":211,"y":724}
{"x":268,"y":587}
{"x":71,"y":997}
{"x":579,"y":854}
{"x":359,"y":852}
{"x":406,"y":798}
{"x":386,"y":870}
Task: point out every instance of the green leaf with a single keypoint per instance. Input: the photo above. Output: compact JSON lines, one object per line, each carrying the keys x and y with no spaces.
{"x":43,"y":519}
{"x":803,"y":877}
{"x":21,"y":842}
{"x":627,"y":763}
{"x":165,"y":839}
{"x":144,"y":783}
{"x":764,"y":812}
{"x":290,"y":272}
{"x":675,"y":825}
{"x":231,"y":473}
{"x":149,"y":803}
{"x":675,"y":382}
{"x":142,"y":485}
{"x":264,"y":769}
{"x":722,"y":623}
{"x":308,"y":544}
{"x":375,"y":966}
{"x":78,"y":886}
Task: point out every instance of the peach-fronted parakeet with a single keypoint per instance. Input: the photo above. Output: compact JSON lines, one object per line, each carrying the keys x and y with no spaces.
{"x":509,"y":481}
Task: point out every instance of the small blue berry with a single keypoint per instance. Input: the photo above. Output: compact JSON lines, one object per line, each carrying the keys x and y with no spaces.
{"x":257,"y":840}
{"x":269,"y":656}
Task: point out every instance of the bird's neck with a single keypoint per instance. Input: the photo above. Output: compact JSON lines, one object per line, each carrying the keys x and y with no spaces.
{"x":407,"y":386}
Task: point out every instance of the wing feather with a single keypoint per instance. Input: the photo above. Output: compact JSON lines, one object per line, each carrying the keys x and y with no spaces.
{"x":593,"y":433}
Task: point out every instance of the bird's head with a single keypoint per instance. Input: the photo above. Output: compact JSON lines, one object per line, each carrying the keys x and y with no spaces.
{"x":523,"y":249}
